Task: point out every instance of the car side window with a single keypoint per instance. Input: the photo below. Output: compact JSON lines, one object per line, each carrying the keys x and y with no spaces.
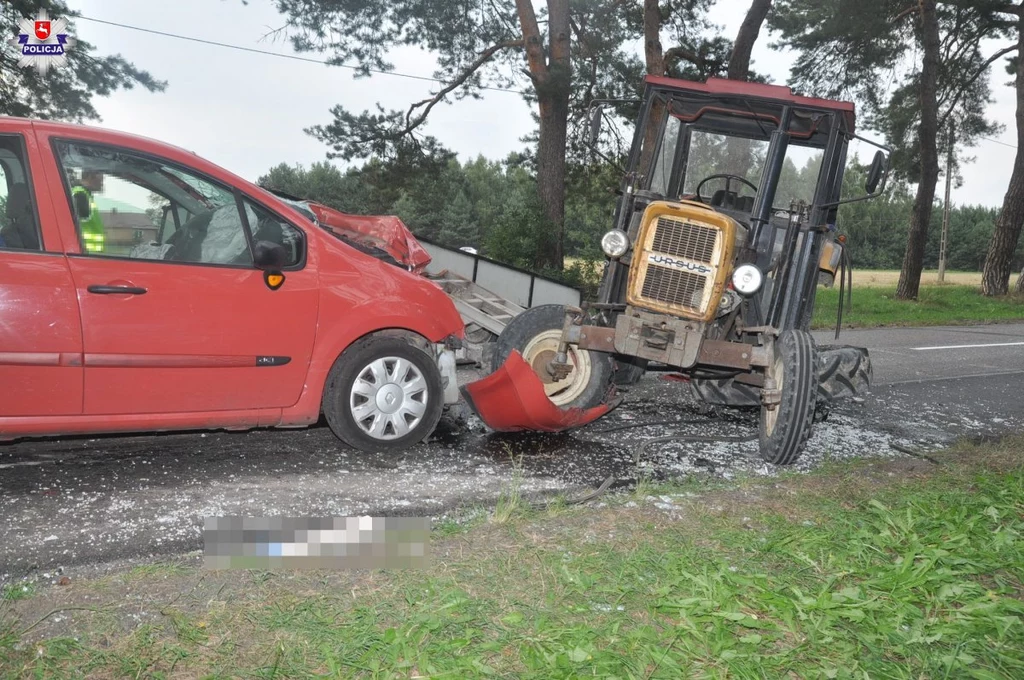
{"x":19,"y":225}
{"x":270,"y":231}
{"x":130,"y":205}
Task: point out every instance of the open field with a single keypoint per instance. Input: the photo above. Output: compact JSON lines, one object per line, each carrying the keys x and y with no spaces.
{"x":876,"y":277}
{"x":936,"y":306}
{"x":881,"y":568}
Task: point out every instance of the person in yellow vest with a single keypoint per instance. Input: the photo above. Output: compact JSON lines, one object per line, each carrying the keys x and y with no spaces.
{"x":93,"y":233}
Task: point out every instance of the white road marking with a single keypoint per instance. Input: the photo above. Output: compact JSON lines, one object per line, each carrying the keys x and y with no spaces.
{"x":994,"y":344}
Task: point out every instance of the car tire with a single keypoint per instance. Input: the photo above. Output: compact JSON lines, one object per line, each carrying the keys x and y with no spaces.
{"x":535,"y":334}
{"x":783,"y":431}
{"x":383,"y":394}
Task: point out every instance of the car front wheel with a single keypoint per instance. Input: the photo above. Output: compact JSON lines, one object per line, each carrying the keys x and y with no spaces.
{"x":383,"y":394}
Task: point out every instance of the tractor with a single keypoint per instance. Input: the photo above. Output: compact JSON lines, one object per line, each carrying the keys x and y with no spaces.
{"x":725,"y":227}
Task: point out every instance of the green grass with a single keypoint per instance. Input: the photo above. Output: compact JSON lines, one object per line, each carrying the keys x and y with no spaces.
{"x":19,"y":591}
{"x":863,"y":570}
{"x":935,"y":306}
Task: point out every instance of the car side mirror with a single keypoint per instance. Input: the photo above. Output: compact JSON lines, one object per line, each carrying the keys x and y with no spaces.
{"x":596,"y":119}
{"x":268,"y":255}
{"x":83,"y":209}
{"x":876,"y":172}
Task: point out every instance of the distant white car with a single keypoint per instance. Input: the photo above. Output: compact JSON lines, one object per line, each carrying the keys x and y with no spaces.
{"x":468,"y":249}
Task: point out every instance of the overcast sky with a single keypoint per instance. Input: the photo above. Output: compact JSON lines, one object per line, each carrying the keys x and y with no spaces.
{"x":247,"y":112}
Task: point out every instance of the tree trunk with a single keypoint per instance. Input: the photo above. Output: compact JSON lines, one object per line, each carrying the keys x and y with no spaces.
{"x":995,"y":275}
{"x":654,"y":56}
{"x":1019,"y":288}
{"x":739,"y":62}
{"x":913,"y":259}
{"x":653,"y":52}
{"x":552,"y":78}
{"x":554,"y":113}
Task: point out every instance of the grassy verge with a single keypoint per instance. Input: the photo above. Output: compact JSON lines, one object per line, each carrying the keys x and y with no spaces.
{"x":936,"y":306}
{"x":896,"y":569}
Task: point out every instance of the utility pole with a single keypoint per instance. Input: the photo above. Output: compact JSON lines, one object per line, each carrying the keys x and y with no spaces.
{"x":943,"y":243}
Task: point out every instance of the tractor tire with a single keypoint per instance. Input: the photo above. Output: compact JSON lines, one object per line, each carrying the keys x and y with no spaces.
{"x":535,"y":335}
{"x":844,"y":372}
{"x":727,"y":392}
{"x":628,"y":370}
{"x":784,"y":430}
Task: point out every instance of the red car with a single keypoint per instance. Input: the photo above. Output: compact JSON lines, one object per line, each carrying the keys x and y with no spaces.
{"x":145,"y":289}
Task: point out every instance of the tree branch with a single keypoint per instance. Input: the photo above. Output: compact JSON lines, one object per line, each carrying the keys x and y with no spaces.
{"x":412,"y":123}
{"x":904,"y":14}
{"x":531,"y":40}
{"x":680,"y":53}
{"x":558,"y":31}
{"x":739,"y":61}
{"x":954,"y":100}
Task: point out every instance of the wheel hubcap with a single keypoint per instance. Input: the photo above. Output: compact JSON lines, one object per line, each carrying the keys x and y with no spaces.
{"x":539,"y":352}
{"x":388,"y":398}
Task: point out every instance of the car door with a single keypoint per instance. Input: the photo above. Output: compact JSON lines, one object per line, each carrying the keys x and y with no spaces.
{"x":40,"y":333}
{"x":180,"y":320}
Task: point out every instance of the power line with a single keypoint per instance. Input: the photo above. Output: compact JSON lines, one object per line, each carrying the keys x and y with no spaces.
{"x":281,"y":55}
{"x":324,"y":62}
{"x":996,"y":141}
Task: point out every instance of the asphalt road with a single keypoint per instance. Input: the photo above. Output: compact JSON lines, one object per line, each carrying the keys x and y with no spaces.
{"x":81,"y":503}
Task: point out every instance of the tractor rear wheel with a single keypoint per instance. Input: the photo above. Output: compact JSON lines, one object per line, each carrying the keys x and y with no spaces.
{"x":843,"y":372}
{"x":535,"y":334}
{"x":786,"y":426}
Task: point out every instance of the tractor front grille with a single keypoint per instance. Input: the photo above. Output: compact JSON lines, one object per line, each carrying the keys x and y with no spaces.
{"x":673,"y":287}
{"x":682,"y":239}
{"x":679,"y":260}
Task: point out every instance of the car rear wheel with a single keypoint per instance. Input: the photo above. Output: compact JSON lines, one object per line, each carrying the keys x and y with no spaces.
{"x":535,"y":334}
{"x":383,"y":394}
{"x":785,"y":428}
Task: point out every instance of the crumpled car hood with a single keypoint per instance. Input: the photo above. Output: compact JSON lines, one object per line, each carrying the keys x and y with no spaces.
{"x":512,"y":399}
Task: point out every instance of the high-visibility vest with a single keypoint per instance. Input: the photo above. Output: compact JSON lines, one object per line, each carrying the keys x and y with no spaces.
{"x":93,"y":234}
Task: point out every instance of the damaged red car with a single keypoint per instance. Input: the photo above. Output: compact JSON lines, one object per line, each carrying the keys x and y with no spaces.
{"x":145,"y":289}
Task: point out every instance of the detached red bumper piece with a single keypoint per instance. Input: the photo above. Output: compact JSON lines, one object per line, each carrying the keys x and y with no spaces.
{"x":512,"y":399}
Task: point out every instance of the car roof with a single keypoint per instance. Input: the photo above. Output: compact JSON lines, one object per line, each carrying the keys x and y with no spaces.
{"x":113,"y":136}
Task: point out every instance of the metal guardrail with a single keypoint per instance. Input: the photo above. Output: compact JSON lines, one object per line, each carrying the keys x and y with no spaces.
{"x":523,"y":287}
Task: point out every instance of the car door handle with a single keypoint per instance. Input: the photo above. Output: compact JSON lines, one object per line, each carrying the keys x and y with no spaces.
{"x":116,"y":290}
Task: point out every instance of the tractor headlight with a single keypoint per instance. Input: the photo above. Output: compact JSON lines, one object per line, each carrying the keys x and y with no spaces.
{"x":747,"y":279}
{"x":615,"y":243}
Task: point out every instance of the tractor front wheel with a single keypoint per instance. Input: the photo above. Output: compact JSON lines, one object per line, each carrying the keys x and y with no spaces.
{"x":535,"y":334}
{"x":787,"y":418}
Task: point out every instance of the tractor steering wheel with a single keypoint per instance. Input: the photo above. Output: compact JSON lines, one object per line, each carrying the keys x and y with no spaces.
{"x":728,"y":184}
